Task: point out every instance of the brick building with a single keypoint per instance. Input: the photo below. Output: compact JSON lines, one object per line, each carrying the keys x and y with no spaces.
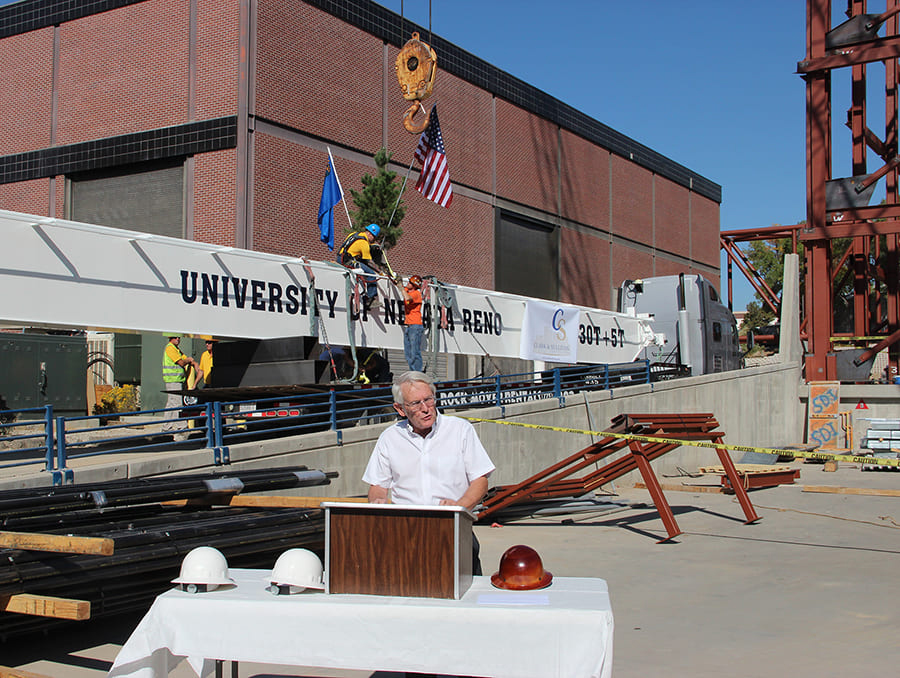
{"x":209,"y":120}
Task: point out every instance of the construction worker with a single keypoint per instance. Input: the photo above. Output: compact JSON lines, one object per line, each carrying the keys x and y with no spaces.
{"x":356,"y":252}
{"x":413,"y":330}
{"x":174,"y":370}
{"x":374,"y":368}
{"x":206,"y":364}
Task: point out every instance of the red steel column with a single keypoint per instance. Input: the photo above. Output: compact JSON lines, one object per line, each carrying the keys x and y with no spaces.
{"x":859,"y":245}
{"x":818,"y":172}
{"x":890,"y":142}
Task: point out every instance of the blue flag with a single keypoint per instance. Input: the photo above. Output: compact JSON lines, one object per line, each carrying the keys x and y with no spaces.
{"x":331,"y":196}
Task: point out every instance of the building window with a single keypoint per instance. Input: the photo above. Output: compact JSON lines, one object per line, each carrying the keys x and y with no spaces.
{"x":146,"y":197}
{"x":526,"y":257}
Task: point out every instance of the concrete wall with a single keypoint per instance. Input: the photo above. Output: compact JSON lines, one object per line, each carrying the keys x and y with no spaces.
{"x":757,"y":406}
{"x":760,"y":406}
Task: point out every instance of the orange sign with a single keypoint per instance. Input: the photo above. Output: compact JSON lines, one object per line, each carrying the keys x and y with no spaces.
{"x":824,"y":398}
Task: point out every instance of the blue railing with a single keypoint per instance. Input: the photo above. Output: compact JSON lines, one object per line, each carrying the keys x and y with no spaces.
{"x":22,"y":442}
{"x":216,"y":425}
{"x":332,"y":410}
{"x":132,"y":432}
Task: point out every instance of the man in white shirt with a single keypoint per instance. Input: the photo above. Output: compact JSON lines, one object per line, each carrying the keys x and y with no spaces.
{"x":427,"y":458}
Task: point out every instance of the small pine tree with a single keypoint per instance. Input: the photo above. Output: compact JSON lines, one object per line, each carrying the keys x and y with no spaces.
{"x":375,"y":202}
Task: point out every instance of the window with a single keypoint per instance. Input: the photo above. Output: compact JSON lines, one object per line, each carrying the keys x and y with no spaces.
{"x":147,"y":197}
{"x":526,"y":257}
{"x":717,"y":331}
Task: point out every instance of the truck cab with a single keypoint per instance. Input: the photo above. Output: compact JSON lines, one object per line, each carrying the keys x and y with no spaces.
{"x":700,"y":332}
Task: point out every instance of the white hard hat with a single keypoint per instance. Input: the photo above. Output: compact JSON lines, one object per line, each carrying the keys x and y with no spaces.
{"x":298,"y":569}
{"x":203,"y":566}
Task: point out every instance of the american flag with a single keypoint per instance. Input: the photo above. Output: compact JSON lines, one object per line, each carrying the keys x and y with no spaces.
{"x":434,"y":180}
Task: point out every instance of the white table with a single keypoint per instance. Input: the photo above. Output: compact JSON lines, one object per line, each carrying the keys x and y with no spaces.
{"x":565,"y":630}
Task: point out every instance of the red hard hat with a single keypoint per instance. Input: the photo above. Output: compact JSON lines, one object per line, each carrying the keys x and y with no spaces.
{"x":521,"y":569}
{"x":415,"y":280}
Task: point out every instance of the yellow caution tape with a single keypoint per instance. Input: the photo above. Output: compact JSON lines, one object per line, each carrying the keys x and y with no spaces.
{"x":822,"y":456}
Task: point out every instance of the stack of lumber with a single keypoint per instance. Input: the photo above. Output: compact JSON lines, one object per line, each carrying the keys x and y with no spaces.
{"x":755,"y":476}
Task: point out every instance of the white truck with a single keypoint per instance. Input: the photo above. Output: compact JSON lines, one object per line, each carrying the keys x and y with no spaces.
{"x":700,"y":332}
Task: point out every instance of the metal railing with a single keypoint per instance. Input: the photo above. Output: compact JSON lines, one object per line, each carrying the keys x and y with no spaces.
{"x":132,"y":432}
{"x":21,"y":440}
{"x":216,"y":425}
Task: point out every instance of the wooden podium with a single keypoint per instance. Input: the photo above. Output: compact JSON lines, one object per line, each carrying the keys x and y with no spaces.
{"x":398,"y":550}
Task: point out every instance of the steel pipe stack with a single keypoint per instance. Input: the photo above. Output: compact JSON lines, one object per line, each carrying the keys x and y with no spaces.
{"x":151,"y":539}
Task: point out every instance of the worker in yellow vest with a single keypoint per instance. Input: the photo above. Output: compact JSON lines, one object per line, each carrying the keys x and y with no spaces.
{"x":204,"y":378}
{"x":175,"y":365}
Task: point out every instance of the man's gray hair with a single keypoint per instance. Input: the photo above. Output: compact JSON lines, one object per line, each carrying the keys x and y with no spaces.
{"x":410,"y":377}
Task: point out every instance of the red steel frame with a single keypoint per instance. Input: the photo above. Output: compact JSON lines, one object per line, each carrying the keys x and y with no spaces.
{"x":556,"y":481}
{"x":829,"y":48}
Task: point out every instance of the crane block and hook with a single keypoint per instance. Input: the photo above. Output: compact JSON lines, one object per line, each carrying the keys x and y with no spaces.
{"x":416,"y":67}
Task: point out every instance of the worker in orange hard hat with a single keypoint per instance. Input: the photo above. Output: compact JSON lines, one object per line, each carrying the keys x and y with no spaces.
{"x":413,"y":330}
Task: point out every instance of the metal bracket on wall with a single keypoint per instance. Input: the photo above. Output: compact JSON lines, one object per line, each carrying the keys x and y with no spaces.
{"x":63,"y":477}
{"x":221,"y":455}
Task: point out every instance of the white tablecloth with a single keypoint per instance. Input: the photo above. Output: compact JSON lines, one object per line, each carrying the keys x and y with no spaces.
{"x":565,"y":630}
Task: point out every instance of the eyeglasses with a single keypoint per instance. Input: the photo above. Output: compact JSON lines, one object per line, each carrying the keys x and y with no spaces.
{"x":418,"y":404}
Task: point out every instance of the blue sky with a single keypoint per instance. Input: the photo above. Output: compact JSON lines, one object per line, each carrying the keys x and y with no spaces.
{"x":710,"y":84}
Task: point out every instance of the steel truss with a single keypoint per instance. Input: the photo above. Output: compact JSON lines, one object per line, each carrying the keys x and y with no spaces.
{"x":838,"y":207}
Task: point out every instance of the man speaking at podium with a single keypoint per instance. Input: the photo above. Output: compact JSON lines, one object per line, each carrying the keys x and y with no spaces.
{"x":427,"y":458}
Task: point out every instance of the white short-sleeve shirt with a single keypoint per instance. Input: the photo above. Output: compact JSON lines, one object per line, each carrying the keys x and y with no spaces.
{"x":423,"y":471}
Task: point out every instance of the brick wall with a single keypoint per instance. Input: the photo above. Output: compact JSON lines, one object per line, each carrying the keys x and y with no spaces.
{"x":218,"y":56}
{"x":705,"y":230}
{"x":25,"y":101}
{"x":31,"y":197}
{"x":628,"y":263}
{"x":319,"y":78}
{"x":672,"y":218}
{"x":466,"y":125}
{"x":666,"y":266}
{"x":287,"y":187}
{"x":585,"y":260}
{"x":123,"y":71}
{"x":214,"y":197}
{"x":632,"y":201}
{"x":527,"y":158}
{"x":456,"y":244}
{"x":315,"y":73}
{"x":584,"y":182}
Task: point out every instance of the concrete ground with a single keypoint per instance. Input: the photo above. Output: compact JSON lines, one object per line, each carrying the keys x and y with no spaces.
{"x":806,"y":592}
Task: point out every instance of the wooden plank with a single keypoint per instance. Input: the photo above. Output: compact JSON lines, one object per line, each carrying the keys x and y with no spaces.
{"x":46,"y":606}
{"x":57,"y":543}
{"x":747,"y":468}
{"x":669,"y":487}
{"x":837,"y":489}
{"x":8,"y":672}
{"x":267,"y":501}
